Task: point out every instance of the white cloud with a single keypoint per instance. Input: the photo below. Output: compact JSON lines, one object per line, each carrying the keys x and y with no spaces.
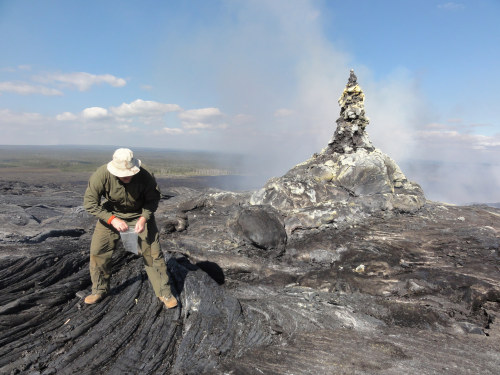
{"x":451,"y":6}
{"x":24,"y":128}
{"x":17,"y":68}
{"x":442,"y":140}
{"x":127,"y":128}
{"x":95,"y":113}
{"x":9,"y":117}
{"x":200,"y":114}
{"x":24,"y":88}
{"x":203,"y":118}
{"x":141,"y":107}
{"x":170,"y":131}
{"x":452,"y":164}
{"x":486,"y":143}
{"x":283,"y":112}
{"x":243,"y":118}
{"x":133,"y":116}
{"x":196,"y":125}
{"x":98,"y":125}
{"x":140,"y":111}
{"x":81,"y":80}
{"x":66,"y":116}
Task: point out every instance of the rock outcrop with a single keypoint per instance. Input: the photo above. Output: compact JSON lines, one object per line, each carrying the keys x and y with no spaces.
{"x":346,"y":182}
{"x":350,"y":134}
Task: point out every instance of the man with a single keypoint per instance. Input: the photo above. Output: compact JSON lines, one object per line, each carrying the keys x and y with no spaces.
{"x":132,"y":197}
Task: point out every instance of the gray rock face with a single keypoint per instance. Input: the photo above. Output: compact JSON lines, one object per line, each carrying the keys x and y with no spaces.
{"x":347,"y":182}
{"x":350,"y":134}
{"x":26,"y":217}
{"x":262,"y":227}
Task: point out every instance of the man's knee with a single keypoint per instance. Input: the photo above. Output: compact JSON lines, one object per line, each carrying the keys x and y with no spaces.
{"x":151,"y":253}
{"x":104,"y":240}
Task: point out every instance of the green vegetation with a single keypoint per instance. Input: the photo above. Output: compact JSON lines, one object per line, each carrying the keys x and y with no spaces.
{"x":163,"y":163}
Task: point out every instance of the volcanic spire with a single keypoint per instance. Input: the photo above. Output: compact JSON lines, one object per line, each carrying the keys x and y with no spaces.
{"x":350,"y":134}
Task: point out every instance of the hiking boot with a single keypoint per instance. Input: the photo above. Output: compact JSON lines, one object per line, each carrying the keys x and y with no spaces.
{"x":93,"y":298}
{"x":170,"y":302}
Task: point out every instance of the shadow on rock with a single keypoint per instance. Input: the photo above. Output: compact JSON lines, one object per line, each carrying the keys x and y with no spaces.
{"x":213,"y":270}
{"x":213,"y":322}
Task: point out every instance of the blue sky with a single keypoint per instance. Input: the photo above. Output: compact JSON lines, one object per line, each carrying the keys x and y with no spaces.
{"x":261,"y":77}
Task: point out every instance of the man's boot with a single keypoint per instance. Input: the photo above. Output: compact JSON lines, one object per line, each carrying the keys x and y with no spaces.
{"x":170,"y":302}
{"x":93,"y":298}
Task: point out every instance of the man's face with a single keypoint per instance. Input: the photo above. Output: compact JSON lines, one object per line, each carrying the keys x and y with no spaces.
{"x":126,"y":180}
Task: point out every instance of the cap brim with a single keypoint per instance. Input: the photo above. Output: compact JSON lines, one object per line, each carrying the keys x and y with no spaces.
{"x":124,"y":172}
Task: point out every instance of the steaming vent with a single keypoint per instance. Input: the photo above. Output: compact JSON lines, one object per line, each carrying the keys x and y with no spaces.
{"x":346,"y":182}
{"x":350,"y":134}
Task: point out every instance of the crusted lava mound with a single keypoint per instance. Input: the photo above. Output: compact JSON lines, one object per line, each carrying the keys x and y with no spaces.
{"x":339,"y":267}
{"x":346,"y":182}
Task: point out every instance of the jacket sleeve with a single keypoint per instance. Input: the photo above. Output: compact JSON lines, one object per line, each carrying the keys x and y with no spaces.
{"x":152,"y":196}
{"x":93,"y":195}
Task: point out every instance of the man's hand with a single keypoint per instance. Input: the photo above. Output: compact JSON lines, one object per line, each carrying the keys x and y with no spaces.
{"x":119,"y":224}
{"x":141,"y":224}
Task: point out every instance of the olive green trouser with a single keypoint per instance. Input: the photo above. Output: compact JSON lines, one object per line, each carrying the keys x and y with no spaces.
{"x":104,"y":242}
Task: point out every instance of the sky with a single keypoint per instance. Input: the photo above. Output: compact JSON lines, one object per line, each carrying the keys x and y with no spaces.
{"x":262,"y":78}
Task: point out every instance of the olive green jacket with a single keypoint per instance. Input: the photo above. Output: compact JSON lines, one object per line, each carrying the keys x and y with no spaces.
{"x":130,"y":201}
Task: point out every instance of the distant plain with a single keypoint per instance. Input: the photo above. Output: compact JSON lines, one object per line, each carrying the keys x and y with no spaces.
{"x":74,"y":165}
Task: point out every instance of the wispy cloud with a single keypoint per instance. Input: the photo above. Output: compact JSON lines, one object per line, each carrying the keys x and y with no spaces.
{"x":95,"y":113}
{"x":126,"y":128}
{"x":460,"y":141}
{"x":456,"y":125}
{"x":283,"y":112}
{"x":141,"y":107}
{"x":54,"y":83}
{"x":66,"y":116}
{"x":10,"y":69}
{"x":34,"y":127}
{"x":12,"y":118}
{"x":82,"y":81}
{"x":195,"y":115}
{"x":440,"y":139}
{"x":204,"y":118}
{"x":169,"y":131}
{"x":24,"y":88}
{"x":451,"y":6}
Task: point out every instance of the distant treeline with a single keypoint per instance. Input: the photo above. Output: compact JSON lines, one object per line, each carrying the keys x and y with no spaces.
{"x":173,"y":171}
{"x":87,"y":159}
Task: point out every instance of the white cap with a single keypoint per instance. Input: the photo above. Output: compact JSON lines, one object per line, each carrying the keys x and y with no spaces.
{"x":124,"y":164}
